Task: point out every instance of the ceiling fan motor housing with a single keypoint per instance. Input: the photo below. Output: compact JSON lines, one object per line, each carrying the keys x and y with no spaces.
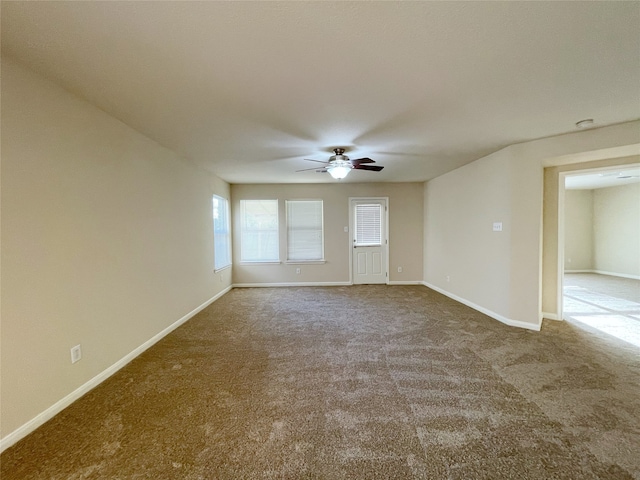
{"x":339,"y":155}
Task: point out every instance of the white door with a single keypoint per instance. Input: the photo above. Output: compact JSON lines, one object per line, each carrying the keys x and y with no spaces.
{"x":369,"y":240}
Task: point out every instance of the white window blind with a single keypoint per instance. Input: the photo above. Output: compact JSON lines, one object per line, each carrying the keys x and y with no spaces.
{"x":304,"y":230}
{"x":368,"y":225}
{"x":221,"y":233}
{"x":259,"y":231}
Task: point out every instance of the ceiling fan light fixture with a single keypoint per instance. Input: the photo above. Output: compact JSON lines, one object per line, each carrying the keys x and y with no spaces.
{"x":339,"y":171}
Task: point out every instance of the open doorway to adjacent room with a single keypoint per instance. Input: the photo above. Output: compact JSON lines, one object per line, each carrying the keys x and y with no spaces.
{"x":601,"y":274}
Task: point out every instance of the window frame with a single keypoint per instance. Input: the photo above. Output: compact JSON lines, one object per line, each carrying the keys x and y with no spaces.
{"x":379,"y":233}
{"x":289,"y":230}
{"x":226,"y":232}
{"x":244,"y":230}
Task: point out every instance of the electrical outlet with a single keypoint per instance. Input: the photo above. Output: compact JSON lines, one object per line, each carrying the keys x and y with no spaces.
{"x":76,"y":353}
{"x":221,"y":277}
{"x":448,"y":278}
{"x":399,"y":269}
{"x":497,"y":226}
{"x":297,"y":271}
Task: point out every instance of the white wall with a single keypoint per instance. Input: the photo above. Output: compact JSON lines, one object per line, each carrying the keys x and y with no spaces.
{"x":616,"y":230}
{"x":578,"y":230}
{"x":602,"y":230}
{"x":106,"y":242}
{"x":405,"y":231}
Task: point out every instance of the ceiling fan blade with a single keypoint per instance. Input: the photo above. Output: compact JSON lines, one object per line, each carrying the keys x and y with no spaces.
{"x":358,"y":161}
{"x":373,"y":168}
{"x":306,"y":169}
{"x":311,"y":160}
{"x":324,"y":170}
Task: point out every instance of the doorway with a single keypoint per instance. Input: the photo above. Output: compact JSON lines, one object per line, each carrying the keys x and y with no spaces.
{"x":369,"y":240}
{"x":598,"y":257}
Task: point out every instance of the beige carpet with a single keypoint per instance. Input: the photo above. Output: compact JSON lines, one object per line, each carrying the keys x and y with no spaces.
{"x":352,"y":382}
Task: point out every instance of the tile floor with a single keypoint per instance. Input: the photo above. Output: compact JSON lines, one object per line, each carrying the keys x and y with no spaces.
{"x":605,"y":303}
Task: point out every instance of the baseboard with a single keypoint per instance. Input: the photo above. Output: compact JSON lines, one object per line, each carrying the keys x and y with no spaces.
{"x":551,"y":316}
{"x":614,"y":274}
{"x":490,"y":313}
{"x":292,"y":284}
{"x":60,"y":405}
{"x":317,"y":284}
{"x":602,"y":272}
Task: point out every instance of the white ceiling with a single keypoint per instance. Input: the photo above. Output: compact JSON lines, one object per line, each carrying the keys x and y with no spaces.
{"x":250,"y":89}
{"x":603,"y":179}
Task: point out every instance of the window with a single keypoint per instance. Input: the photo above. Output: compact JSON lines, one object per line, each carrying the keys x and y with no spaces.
{"x":259,"y":231}
{"x":368,"y":225}
{"x":304,"y":230}
{"x":221,"y":233}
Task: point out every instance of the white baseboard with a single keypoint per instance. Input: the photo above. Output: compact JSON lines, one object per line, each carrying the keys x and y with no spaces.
{"x":492,"y":314}
{"x":292,"y":284}
{"x":614,"y":274}
{"x":318,"y":284}
{"x":551,"y":316}
{"x":602,"y":272}
{"x":60,"y":405}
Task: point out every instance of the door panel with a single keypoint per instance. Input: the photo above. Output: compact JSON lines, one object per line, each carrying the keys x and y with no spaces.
{"x":369,"y":240}
{"x":376,"y":268}
{"x":361,"y":262}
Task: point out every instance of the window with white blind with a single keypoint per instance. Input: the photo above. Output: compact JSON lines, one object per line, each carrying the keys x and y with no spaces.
{"x":221,"y":233}
{"x":259,"y":231}
{"x":305,"y":237}
{"x":368,"y":225}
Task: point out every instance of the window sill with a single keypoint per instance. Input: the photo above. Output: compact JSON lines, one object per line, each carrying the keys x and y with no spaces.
{"x":305,"y":262}
{"x":260,"y":263}
{"x":226,"y":267}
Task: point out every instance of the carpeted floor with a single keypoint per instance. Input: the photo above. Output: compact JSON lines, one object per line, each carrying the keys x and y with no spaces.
{"x":352,"y":382}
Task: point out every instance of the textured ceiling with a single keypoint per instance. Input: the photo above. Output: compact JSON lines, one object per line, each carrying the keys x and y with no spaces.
{"x":250,"y":89}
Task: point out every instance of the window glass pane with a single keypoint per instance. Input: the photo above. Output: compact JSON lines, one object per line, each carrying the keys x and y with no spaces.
{"x":221,"y":233}
{"x":368,"y":225}
{"x":304,"y":230}
{"x":259,"y":231}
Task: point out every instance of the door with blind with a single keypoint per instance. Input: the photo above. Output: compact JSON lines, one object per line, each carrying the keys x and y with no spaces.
{"x":369,"y":240}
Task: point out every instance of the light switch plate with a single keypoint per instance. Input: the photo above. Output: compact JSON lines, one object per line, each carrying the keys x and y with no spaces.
{"x":497,"y":226}
{"x":76,"y":354}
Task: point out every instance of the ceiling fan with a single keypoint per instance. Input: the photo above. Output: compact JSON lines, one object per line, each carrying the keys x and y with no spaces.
{"x":339,"y":165}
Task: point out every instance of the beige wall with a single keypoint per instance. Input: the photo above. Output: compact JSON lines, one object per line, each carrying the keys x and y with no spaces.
{"x":106,"y":241}
{"x":405,"y":231}
{"x":463,"y":255}
{"x":578,"y":230}
{"x":616,"y":230}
